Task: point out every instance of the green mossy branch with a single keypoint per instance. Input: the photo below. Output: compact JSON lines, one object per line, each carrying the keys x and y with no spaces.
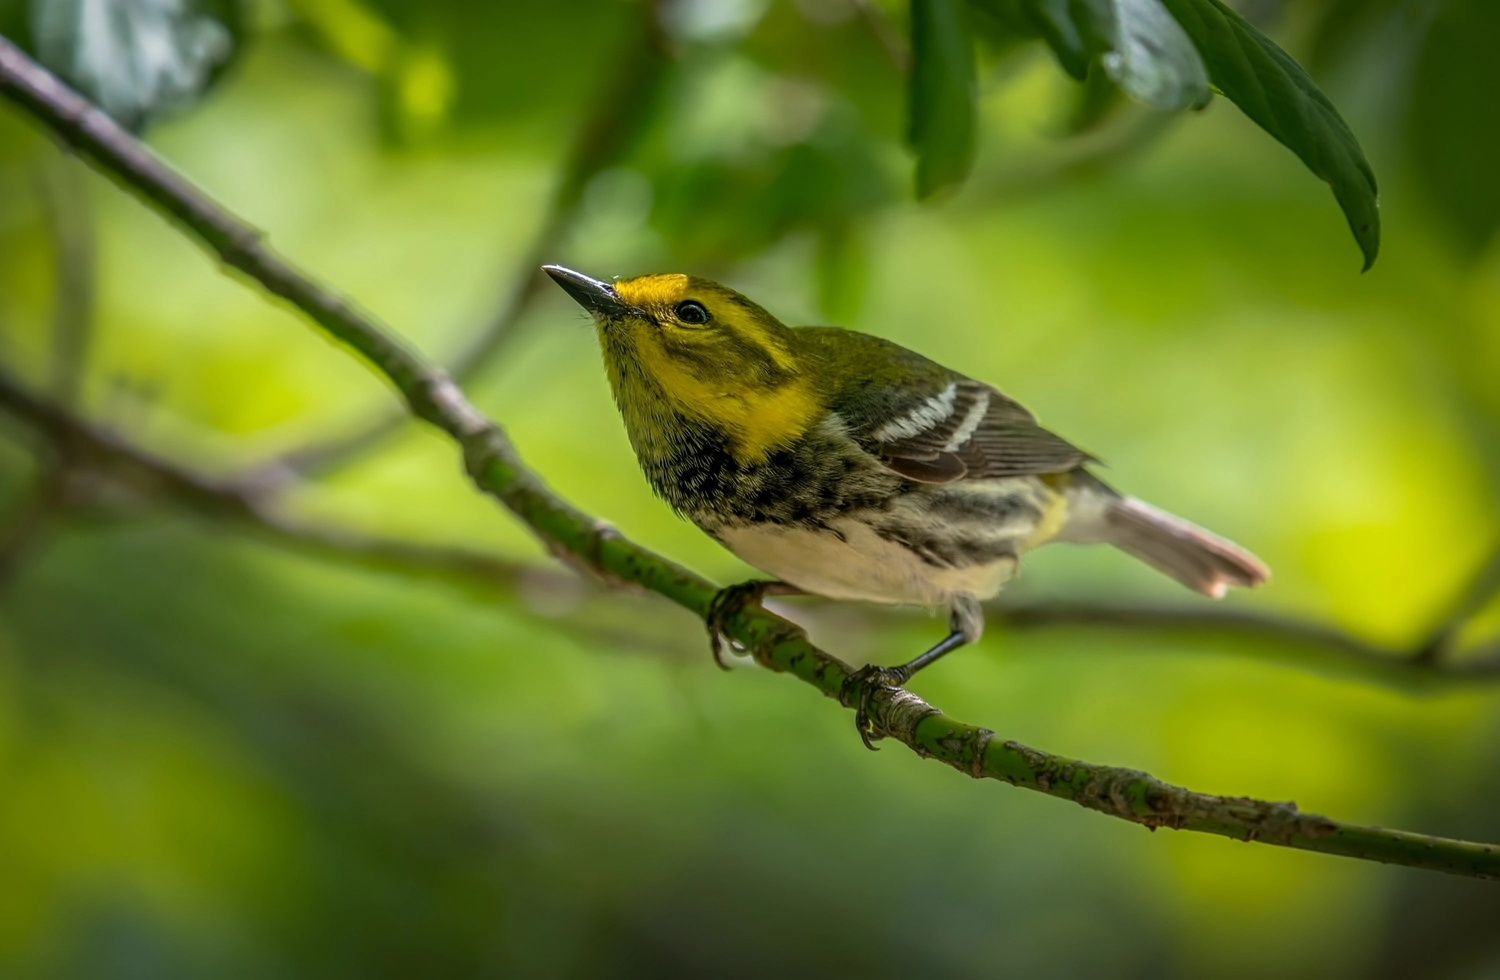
{"x":585,"y":542}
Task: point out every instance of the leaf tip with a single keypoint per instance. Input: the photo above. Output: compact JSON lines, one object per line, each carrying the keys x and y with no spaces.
{"x":1368,"y":236}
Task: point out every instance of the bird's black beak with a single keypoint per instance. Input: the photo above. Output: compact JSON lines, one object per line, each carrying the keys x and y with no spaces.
{"x":597,"y":297}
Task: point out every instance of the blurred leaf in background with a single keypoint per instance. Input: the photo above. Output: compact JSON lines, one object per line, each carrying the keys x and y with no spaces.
{"x":456,"y":61}
{"x":1137,"y":42}
{"x":942,"y":94}
{"x":1455,"y":130}
{"x":136,"y":59}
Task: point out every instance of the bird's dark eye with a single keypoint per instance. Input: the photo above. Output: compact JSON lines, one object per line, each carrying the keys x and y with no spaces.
{"x":692,"y":311}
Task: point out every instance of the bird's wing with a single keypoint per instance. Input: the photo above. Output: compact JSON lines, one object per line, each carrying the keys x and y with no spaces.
{"x":929,"y":424}
{"x":968,"y":430}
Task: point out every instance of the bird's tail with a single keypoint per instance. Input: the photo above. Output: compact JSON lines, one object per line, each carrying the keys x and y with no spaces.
{"x":1201,"y":561}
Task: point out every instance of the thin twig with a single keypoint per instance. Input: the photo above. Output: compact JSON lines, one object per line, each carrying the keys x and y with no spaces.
{"x":89,"y":449}
{"x":496,"y":469}
{"x":1481,"y":589}
{"x":1297,"y":642}
{"x":107,"y":474}
{"x":623,"y":107}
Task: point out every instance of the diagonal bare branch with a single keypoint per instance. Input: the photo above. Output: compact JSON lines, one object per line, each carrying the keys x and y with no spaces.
{"x":496,"y":468}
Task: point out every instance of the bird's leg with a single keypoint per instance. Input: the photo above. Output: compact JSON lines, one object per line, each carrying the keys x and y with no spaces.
{"x":965,"y":624}
{"x":729,"y":601}
{"x":869,"y":677}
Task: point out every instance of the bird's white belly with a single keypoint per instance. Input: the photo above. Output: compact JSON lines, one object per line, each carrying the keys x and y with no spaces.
{"x":862,"y":565}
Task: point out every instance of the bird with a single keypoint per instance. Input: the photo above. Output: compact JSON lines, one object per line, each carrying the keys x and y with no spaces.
{"x":847,"y":466}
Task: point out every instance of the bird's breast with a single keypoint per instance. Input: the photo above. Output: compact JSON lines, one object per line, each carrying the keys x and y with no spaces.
{"x":921,"y":546}
{"x":820,"y":475}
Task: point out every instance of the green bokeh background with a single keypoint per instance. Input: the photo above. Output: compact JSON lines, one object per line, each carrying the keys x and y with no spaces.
{"x":222,"y":758}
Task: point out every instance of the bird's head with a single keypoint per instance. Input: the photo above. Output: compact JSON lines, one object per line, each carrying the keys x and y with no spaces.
{"x":701,"y":350}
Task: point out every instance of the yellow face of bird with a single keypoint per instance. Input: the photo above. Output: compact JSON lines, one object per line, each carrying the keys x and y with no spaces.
{"x":704,"y":351}
{"x":700,"y":340}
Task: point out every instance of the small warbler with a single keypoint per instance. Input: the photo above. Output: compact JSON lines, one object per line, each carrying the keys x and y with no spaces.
{"x":849,"y":467}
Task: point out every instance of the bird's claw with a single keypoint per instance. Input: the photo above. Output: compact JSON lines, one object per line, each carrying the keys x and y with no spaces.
{"x":725,"y":604}
{"x":865,"y":681}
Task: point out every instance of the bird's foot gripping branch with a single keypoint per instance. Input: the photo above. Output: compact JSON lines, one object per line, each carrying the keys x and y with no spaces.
{"x":776,"y":644}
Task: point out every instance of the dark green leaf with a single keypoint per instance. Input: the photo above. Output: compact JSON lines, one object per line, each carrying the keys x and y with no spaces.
{"x":1097,"y":98}
{"x":13,"y":21}
{"x":1452,"y":133}
{"x":1000,"y":24}
{"x":942,"y":97}
{"x":1094,"y":20}
{"x":1064,"y":33}
{"x":1140,"y":46}
{"x":1273,"y":90}
{"x":1075,"y":30}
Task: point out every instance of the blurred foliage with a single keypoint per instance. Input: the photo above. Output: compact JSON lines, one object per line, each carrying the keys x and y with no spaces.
{"x":1162,"y":52}
{"x":942,"y":94}
{"x":1136,"y":42}
{"x":136,"y":59}
{"x":1455,"y":138}
{"x":218,"y":758}
{"x":1448,"y":86}
{"x":1274,"y":91}
{"x":438,"y":59}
